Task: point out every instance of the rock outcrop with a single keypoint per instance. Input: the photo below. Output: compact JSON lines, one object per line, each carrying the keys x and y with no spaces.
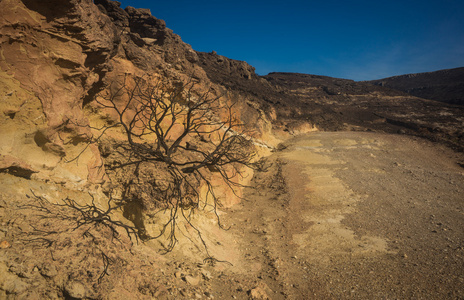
{"x":54,"y":56}
{"x":57,"y":55}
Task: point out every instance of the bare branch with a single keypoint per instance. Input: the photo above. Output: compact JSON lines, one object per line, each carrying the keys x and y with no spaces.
{"x":188,"y":137}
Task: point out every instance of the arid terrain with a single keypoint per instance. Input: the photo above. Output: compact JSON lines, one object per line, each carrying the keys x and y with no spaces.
{"x":336,"y":216}
{"x":356,"y":215}
{"x":289,"y":186}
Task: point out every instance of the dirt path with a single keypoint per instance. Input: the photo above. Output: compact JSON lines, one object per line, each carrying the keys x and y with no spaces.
{"x":351,"y":215}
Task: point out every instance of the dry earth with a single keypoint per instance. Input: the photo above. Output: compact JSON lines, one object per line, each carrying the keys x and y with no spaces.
{"x":344,"y":215}
{"x":352,"y":215}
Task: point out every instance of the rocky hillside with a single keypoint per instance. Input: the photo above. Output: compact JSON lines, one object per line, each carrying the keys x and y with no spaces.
{"x":305,"y":102}
{"x":57,"y":56}
{"x":444,"y":85}
{"x":76,"y":191}
{"x":339,"y":104}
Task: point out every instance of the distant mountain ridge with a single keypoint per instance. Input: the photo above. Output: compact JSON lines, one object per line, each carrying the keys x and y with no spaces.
{"x":443,"y":85}
{"x":332,"y":104}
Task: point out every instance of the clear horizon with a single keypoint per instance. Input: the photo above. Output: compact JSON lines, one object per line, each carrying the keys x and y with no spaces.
{"x":358,"y":40}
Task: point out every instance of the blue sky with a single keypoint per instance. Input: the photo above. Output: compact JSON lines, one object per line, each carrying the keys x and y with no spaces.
{"x":358,"y":40}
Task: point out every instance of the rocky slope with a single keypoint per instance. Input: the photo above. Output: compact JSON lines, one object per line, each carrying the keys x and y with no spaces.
{"x":57,"y":56}
{"x":302,"y":102}
{"x":336,"y":104}
{"x":444,"y":85}
{"x":62,"y":234}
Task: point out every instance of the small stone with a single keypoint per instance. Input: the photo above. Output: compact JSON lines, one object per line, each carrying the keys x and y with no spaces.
{"x":5,"y":245}
{"x":14,"y":285}
{"x":198,"y":296}
{"x":206,"y":275}
{"x":207,"y":294}
{"x":149,"y":41}
{"x":258,"y":293}
{"x":192,"y":280}
{"x":75,"y":289}
{"x":48,"y":270}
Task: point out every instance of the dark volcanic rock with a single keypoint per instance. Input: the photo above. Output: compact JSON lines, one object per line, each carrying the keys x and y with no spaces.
{"x":113,"y":9}
{"x":145,"y":25}
{"x":340,"y":104}
{"x":444,"y":85}
{"x":215,"y":63}
{"x":147,"y":42}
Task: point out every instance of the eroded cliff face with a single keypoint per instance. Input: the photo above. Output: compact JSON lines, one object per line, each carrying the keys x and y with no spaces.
{"x":52,"y":57}
{"x":57,"y":55}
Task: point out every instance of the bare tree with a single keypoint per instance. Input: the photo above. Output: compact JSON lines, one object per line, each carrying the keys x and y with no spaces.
{"x":188,"y":137}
